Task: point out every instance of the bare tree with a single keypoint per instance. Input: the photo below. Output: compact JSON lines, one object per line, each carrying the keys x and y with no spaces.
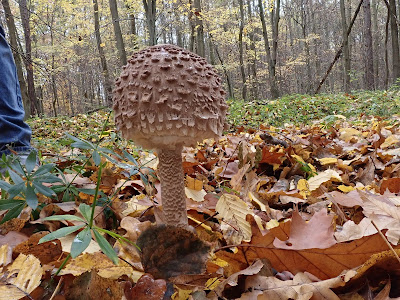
{"x":117,"y":31}
{"x":104,"y":67}
{"x":241,"y":60}
{"x":395,"y":40}
{"x":271,"y":53}
{"x":25,"y":16}
{"x":150,"y":11}
{"x":346,"y":50}
{"x":369,"y":54}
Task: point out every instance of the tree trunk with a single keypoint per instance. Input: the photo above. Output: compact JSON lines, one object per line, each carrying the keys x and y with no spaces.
{"x":25,"y":15}
{"x":200,"y":47}
{"x":369,"y":55}
{"x":12,"y":32}
{"x":241,"y":61}
{"x":395,"y":41}
{"x":271,"y":55}
{"x":107,"y":82}
{"x":150,"y":11}
{"x":346,"y":50}
{"x":253,"y":55}
{"x":117,"y":31}
{"x":192,"y":26}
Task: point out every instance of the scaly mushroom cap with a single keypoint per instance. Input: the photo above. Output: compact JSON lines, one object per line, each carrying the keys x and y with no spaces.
{"x":167,"y":97}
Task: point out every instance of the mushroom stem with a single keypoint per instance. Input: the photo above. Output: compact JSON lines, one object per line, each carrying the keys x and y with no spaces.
{"x":171,"y":175}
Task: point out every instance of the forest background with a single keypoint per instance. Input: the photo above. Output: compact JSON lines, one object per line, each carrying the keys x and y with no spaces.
{"x":68,"y":52}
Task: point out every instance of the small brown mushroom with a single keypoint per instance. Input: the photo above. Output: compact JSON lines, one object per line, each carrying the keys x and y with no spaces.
{"x":167,"y":98}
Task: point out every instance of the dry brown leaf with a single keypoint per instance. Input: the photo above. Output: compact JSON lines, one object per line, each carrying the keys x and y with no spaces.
{"x":233,"y":210}
{"x":21,"y":278}
{"x":316,"y":233}
{"x":322,"y":263}
{"x":301,"y":287}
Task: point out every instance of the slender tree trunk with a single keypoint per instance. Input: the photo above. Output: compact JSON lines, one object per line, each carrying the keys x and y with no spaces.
{"x":241,"y":61}
{"x":369,"y":55}
{"x":376,"y":38}
{"x":25,"y":15}
{"x":395,"y":40}
{"x":117,"y":31}
{"x":271,"y":55}
{"x":253,"y":55}
{"x":346,"y":50}
{"x":107,"y":82}
{"x":339,"y":52}
{"x":150,"y":10}
{"x":12,"y":32}
{"x":192,"y":26}
{"x":200,"y":47}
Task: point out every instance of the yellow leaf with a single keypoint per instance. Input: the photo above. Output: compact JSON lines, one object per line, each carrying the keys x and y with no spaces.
{"x":272,"y":224}
{"x":23,"y":276}
{"x":100,"y":262}
{"x":347,"y":134}
{"x":345,"y":188}
{"x":298,"y":158}
{"x":328,"y":160}
{"x":234,"y":210}
{"x":212,"y":283}
{"x":102,"y":45}
{"x":206,"y":227}
{"x":194,"y":184}
{"x":303,"y":187}
{"x":181,"y":294}
{"x":389,"y":141}
{"x":5,"y":255}
{"x":327,"y":175}
{"x":197,"y":196}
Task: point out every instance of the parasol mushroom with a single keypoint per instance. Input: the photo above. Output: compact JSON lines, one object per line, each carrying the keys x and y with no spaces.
{"x":167,"y":98}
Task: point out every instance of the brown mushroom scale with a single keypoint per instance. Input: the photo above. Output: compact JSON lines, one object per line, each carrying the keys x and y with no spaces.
{"x":167,"y":98}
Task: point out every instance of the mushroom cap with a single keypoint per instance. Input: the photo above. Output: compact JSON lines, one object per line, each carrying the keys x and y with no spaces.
{"x":168,"y":97}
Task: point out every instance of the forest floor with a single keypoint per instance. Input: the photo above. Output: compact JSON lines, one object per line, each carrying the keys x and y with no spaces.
{"x":299,"y":199}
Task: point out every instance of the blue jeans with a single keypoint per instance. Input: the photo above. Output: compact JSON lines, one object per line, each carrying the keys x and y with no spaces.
{"x":14,"y":132}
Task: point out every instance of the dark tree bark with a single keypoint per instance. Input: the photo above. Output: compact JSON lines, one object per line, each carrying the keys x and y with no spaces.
{"x":395,"y":40}
{"x":369,"y":55}
{"x":271,"y":54}
{"x":117,"y":31}
{"x":339,"y":52}
{"x":12,"y":32}
{"x":107,"y":82}
{"x":241,"y":60}
{"x":346,"y":50}
{"x":25,"y":15}
{"x":150,"y":11}
{"x":253,"y":55}
{"x":200,"y":47}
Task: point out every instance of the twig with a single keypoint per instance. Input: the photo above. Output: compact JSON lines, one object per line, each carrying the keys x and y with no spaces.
{"x":386,"y":241}
{"x":57,"y":288}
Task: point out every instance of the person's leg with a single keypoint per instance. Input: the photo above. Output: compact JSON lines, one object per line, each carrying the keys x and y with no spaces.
{"x":14,"y":132}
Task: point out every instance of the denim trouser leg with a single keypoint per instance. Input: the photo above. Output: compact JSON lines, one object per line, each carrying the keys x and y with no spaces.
{"x":14,"y":132}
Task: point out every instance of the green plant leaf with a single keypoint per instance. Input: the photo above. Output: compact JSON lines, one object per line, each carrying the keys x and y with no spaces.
{"x":60,"y":233}
{"x":14,"y":212}
{"x":30,"y":163}
{"x":86,"y":211}
{"x":81,"y":242}
{"x":106,"y":247}
{"x":43,"y":189}
{"x":31,"y":198}
{"x":15,"y":177}
{"x":130,"y":158}
{"x":96,"y":157}
{"x":44,"y":169}
{"x":64,"y":217}
{"x":16,"y":189}
{"x":4,"y":185}
{"x":9,"y":204}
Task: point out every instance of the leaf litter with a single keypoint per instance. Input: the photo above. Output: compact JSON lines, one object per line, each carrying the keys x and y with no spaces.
{"x":300,"y":212}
